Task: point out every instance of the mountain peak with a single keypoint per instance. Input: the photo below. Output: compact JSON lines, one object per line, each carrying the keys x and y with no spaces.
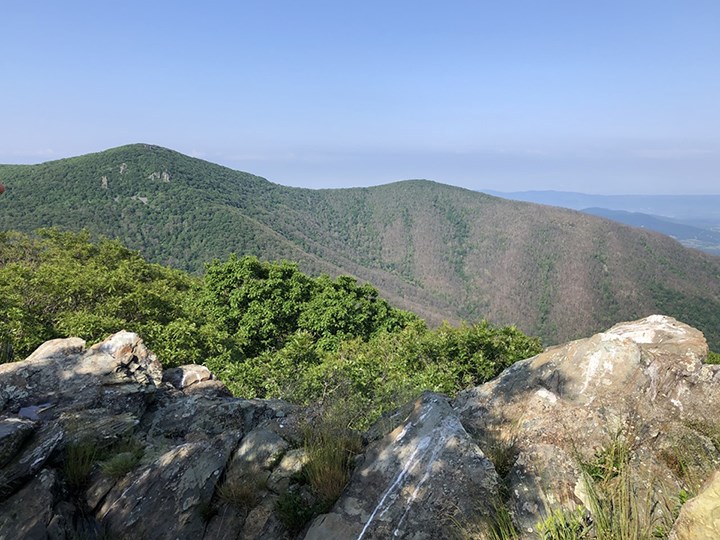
{"x":446,"y":253}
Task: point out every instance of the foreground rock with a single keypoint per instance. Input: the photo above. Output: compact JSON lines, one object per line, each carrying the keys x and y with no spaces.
{"x":640,"y":389}
{"x":414,"y":481}
{"x":94,"y":444}
{"x":98,"y":442}
{"x":700,"y":517}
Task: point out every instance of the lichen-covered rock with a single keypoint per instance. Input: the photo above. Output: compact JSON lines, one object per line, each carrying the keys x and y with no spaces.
{"x":181,"y":415}
{"x":122,"y":358}
{"x":412,"y":482}
{"x":31,"y":458}
{"x":28,"y":512}
{"x":165,"y":498}
{"x":13,"y":433}
{"x":291,"y":464}
{"x":70,"y":410}
{"x":641,"y":382}
{"x":700,"y":517}
{"x":260,"y":449}
{"x":183,"y":376}
{"x":39,"y":378}
{"x":60,"y":375}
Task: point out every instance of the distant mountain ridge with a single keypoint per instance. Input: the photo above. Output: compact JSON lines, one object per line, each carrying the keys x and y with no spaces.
{"x":681,"y":207}
{"x":693,"y":220}
{"x":704,"y":239}
{"x":441,"y":251}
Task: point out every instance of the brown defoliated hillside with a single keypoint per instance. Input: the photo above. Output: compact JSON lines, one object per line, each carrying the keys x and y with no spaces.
{"x":441,"y":251}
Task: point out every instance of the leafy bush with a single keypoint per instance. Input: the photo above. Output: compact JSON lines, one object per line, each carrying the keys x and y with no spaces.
{"x":59,"y":284}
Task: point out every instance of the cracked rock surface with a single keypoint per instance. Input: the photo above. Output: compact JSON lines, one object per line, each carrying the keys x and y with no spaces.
{"x":99,"y":442}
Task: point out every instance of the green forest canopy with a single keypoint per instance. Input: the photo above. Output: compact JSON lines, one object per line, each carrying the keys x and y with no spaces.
{"x":264,"y":328}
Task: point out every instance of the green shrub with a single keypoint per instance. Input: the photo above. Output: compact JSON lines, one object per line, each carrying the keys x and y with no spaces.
{"x":293,"y":511}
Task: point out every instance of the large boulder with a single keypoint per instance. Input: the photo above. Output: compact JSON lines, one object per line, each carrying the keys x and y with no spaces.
{"x":62,"y":375}
{"x":414,"y":481}
{"x":28,"y":513}
{"x":639,"y":389}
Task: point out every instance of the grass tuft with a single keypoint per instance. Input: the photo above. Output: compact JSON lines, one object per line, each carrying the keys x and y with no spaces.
{"x":330,"y":446}
{"x":564,"y":524}
{"x":122,"y":457}
{"x":120,"y":464}
{"x":243,"y":492}
{"x":80,"y":457}
{"x":501,"y":527}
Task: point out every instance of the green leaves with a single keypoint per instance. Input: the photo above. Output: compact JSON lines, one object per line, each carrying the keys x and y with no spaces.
{"x":263,"y":304}
{"x":58,"y":284}
{"x":264,"y":328}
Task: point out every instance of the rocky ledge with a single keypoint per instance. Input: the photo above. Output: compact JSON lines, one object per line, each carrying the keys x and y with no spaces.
{"x":99,"y":443}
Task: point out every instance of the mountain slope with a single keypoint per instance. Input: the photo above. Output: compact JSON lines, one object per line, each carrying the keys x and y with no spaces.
{"x":683,"y":208}
{"x":689,"y":236}
{"x":441,"y":251}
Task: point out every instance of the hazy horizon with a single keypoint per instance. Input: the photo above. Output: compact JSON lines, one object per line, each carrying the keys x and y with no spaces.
{"x":601,"y":99}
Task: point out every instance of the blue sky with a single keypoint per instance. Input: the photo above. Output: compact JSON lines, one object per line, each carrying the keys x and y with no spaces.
{"x":599,"y":97}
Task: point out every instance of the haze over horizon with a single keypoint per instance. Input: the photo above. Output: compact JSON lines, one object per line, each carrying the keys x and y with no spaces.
{"x":609,"y":98}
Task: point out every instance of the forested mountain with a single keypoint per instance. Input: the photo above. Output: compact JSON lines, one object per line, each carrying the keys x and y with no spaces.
{"x":440,"y":251}
{"x":706,"y":240}
{"x":683,"y":208}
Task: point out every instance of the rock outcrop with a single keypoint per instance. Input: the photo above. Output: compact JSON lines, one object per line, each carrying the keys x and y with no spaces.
{"x":700,"y":518}
{"x":636,"y":398}
{"x":100,"y":442}
{"x":94,"y":444}
{"x":414,"y":481}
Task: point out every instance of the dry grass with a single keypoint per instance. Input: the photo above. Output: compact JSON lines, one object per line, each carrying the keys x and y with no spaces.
{"x":330,"y":446}
{"x":243,"y":492}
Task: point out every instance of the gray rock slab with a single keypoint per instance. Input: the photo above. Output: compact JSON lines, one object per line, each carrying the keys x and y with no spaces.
{"x":34,"y":454}
{"x":13,"y":433}
{"x":28,"y":512}
{"x":700,"y":517}
{"x":166,"y":498}
{"x":413,"y":481}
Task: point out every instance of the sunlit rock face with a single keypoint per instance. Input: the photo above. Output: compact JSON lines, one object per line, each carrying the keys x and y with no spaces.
{"x":641,"y":386}
{"x":414,"y":480}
